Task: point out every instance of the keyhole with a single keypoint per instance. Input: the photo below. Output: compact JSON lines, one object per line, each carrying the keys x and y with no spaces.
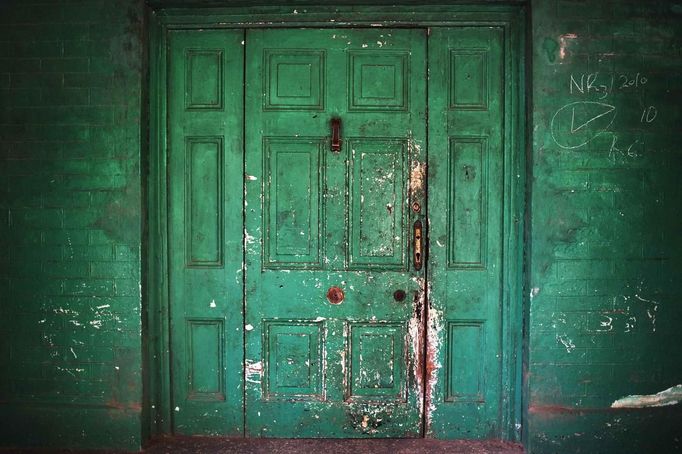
{"x":469,"y":173}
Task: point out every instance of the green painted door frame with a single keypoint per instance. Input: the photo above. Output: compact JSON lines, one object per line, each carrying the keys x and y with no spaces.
{"x":508,"y":19}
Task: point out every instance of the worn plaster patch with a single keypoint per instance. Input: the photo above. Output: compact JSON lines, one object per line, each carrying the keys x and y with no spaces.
{"x":563,"y":43}
{"x":670,"y":396}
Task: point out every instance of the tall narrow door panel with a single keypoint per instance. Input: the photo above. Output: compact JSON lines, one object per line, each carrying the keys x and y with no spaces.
{"x":466,"y":200}
{"x":205,"y":149}
{"x":333,"y":337}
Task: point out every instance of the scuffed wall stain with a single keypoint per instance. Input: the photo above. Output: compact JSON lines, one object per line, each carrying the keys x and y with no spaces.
{"x":564,"y":43}
{"x":670,"y":396}
{"x":550,"y":46}
{"x":120,"y":216}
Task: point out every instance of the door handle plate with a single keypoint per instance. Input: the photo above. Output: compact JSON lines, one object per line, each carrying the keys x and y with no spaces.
{"x":418,"y":236}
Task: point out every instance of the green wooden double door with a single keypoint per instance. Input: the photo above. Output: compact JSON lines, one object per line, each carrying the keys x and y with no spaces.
{"x":335,"y":231}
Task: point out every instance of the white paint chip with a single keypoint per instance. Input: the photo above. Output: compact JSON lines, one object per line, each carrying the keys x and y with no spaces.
{"x":212,"y":303}
{"x":249,"y":327}
{"x":177,"y":408}
{"x":670,"y":396}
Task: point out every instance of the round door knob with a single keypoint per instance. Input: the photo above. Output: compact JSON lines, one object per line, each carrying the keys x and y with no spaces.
{"x":399,"y":295}
{"x":335,"y":295}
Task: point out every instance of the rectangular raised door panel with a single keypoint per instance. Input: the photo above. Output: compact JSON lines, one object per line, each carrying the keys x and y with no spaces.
{"x":468,"y":78}
{"x":206,"y":352}
{"x":294,"y":79}
{"x":465,"y":356}
{"x":379,"y":80}
{"x":205,"y":203}
{"x":376,"y":354}
{"x":204,"y":78}
{"x":293,"y":354}
{"x":292,"y":208}
{"x":378,"y":191}
{"x":468,"y":194}
{"x":330,"y":352}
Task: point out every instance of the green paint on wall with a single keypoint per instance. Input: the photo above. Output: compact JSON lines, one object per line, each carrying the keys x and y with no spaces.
{"x":70,"y":223}
{"x":606,"y":249}
{"x":550,"y":47}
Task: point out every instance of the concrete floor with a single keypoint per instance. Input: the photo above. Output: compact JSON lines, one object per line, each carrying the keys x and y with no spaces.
{"x":193,"y":445}
{"x":206,"y":445}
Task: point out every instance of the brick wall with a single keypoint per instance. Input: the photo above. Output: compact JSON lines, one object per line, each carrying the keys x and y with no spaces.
{"x":70,"y":222}
{"x":605,"y":284}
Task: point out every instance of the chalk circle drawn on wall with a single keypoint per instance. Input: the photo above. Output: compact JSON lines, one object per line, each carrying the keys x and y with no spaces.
{"x":577,"y":123}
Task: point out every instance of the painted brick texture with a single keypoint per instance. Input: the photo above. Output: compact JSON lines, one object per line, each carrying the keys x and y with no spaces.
{"x":70,"y":223}
{"x":606,"y":216}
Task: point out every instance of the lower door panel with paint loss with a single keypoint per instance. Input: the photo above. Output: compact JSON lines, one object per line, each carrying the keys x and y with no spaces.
{"x":333,"y":301}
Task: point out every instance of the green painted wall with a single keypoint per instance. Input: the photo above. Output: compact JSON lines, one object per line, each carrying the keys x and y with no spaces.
{"x":70,"y":223}
{"x":606,"y":248}
{"x":604,"y":253}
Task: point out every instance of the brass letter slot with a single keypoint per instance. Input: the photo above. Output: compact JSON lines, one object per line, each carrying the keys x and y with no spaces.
{"x":336,"y":134}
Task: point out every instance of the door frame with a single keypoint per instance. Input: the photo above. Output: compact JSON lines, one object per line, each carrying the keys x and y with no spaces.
{"x":157,"y":410}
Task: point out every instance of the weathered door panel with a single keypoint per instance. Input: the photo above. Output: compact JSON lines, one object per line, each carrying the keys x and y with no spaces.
{"x":205,"y":181}
{"x":317,"y":219}
{"x":466,"y":194}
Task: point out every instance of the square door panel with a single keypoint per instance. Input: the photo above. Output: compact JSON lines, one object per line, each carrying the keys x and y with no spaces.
{"x":378,"y":80}
{"x":294,"y":79}
{"x":377,"y":362}
{"x":293,"y":359}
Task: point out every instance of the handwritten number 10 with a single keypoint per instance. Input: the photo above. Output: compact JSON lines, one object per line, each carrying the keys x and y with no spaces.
{"x":649,"y":114}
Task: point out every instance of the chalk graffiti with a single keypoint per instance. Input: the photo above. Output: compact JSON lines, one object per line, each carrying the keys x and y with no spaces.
{"x":589,"y":83}
{"x":577,"y":123}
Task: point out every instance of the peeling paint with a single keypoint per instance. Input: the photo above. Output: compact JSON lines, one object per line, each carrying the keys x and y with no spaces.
{"x":564,"y":340}
{"x":563,"y":43}
{"x":670,"y":396}
{"x":534,"y":292}
{"x":417,"y":175}
{"x":253,"y":371}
